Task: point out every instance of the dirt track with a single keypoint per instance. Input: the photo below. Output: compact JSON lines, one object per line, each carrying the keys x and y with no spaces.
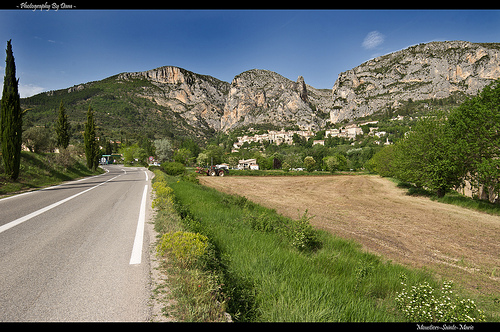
{"x":457,"y":243}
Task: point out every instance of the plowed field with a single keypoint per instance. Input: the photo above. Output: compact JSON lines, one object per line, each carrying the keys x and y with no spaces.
{"x":456,"y":243}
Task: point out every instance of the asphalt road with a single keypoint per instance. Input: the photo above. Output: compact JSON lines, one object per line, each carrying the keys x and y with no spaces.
{"x":79,"y":251}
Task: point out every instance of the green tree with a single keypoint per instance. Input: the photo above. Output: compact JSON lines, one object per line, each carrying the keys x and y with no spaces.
{"x":147,"y":146}
{"x":214,"y":153}
{"x":182,"y":156}
{"x":128,"y":153}
{"x":475,"y":128}
{"x":164,"y":149}
{"x":11,"y":118}
{"x":427,"y":157}
{"x":91,"y":144}
{"x":382,"y":162}
{"x":62,"y":128}
{"x":309,"y":163}
{"x":38,"y":139}
{"x":336,"y":162}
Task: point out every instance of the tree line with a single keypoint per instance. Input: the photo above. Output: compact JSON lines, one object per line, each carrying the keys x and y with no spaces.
{"x":11,"y":126}
{"x":448,"y":149}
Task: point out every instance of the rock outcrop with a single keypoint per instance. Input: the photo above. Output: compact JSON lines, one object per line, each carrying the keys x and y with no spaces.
{"x":199,"y":99}
{"x":263,"y":96}
{"x":199,"y":105}
{"x":434,"y":70}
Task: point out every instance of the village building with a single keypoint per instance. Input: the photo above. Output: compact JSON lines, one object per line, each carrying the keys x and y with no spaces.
{"x":248,"y":164}
{"x":279,"y":137}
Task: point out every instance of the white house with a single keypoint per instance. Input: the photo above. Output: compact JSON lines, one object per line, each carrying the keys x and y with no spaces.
{"x":248,"y":164}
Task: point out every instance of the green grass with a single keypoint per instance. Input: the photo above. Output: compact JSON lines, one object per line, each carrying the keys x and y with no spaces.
{"x":42,"y":170}
{"x":258,"y":271}
{"x":268,"y":279}
{"x":451,"y":197}
{"x":469,"y":203}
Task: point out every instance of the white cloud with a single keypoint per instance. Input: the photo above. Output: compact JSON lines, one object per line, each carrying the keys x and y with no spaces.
{"x":372,"y":40}
{"x":28,"y":90}
{"x":25,"y":90}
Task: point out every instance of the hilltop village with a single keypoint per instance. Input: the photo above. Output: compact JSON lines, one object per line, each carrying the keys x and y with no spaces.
{"x":279,"y":137}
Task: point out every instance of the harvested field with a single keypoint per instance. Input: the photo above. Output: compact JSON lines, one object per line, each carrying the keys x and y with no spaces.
{"x":456,"y":243}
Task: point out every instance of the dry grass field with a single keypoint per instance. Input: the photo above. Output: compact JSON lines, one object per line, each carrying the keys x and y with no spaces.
{"x":454,"y":242}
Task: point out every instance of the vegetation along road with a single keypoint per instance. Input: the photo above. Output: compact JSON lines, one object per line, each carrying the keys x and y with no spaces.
{"x":78,"y":251}
{"x":458,"y":243}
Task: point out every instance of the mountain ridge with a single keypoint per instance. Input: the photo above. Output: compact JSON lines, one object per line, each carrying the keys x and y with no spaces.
{"x":172,"y":101}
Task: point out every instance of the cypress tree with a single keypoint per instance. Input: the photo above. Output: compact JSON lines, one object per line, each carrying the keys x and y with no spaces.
{"x":91,"y":146}
{"x":62,"y":128}
{"x":11,"y":118}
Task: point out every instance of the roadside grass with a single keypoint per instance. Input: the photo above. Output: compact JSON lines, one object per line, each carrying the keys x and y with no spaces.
{"x":40,"y":170}
{"x":265,"y":267}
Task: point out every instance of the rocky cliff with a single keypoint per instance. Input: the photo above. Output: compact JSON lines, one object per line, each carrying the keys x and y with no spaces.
{"x":199,"y":99}
{"x":427,"y":71}
{"x":171,"y":100}
{"x":262,"y":96}
{"x":434,"y":70}
{"x":253,"y":97}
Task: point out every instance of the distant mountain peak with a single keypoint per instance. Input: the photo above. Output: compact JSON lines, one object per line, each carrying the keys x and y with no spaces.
{"x":172,"y":100}
{"x":434,"y":70}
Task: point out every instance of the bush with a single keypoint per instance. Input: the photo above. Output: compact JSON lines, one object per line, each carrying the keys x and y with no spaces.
{"x":302,"y":234}
{"x":422,"y":303}
{"x":173,"y":168}
{"x":185,"y":247}
{"x":64,"y":159}
{"x":191,"y":177}
{"x":163,"y":196}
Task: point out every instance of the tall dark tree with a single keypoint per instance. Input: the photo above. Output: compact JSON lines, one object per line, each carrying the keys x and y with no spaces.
{"x":91,"y":145}
{"x":11,"y":118}
{"x":62,"y":128}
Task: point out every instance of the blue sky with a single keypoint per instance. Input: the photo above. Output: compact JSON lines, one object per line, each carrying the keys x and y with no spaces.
{"x":58,"y":49}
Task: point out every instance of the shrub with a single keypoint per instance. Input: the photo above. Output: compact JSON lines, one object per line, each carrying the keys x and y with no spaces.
{"x":173,"y":168}
{"x":185,"y":247}
{"x":163,"y":196}
{"x":422,"y":303}
{"x":64,"y":158}
{"x":302,"y":234}
{"x":191,"y":177}
{"x":262,"y":222}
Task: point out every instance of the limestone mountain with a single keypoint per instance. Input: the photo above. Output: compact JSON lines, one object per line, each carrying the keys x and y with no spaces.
{"x":163,"y":102}
{"x":198,"y":99}
{"x":172,"y":101}
{"x":175,"y":102}
{"x":262,"y":96}
{"x":435,"y":70}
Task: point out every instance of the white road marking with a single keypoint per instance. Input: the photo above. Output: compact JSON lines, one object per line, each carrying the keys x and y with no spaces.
{"x":18,"y":221}
{"x":139,"y":233}
{"x":51,"y":187}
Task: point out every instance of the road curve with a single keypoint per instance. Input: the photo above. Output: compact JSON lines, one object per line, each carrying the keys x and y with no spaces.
{"x":78,"y":251}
